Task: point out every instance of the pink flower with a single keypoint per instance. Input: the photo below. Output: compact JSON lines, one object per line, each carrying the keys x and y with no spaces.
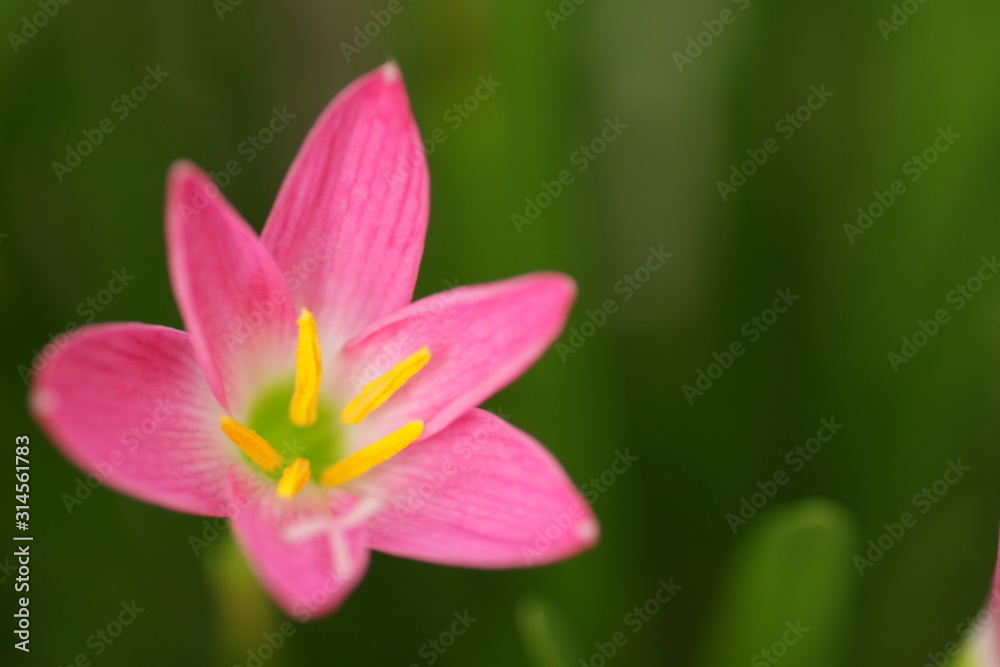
{"x":309,"y":400}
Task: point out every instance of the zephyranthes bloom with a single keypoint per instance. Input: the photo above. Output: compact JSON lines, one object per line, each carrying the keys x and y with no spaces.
{"x":309,"y":400}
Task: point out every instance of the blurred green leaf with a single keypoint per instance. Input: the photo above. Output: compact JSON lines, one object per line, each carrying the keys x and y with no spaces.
{"x":789,"y":591}
{"x":544,"y":632}
{"x":247,"y":622}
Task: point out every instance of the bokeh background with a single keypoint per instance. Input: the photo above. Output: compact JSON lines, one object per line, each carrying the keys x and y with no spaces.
{"x":564,"y":69}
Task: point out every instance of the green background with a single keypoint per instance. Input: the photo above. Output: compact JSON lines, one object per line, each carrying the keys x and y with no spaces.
{"x":656,"y":184}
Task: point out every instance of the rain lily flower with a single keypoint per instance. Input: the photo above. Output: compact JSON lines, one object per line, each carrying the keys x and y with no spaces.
{"x":309,"y":401}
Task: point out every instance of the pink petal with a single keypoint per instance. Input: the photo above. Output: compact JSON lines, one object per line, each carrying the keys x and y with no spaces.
{"x":480,"y":493}
{"x":128,"y":403}
{"x":290,"y":545}
{"x":230,"y":293}
{"x":349,"y":222}
{"x":480,"y":338}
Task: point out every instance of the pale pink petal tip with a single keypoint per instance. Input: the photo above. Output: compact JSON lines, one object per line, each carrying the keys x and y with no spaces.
{"x":43,"y":403}
{"x":354,"y":205}
{"x":181,"y":169}
{"x":588,"y":531}
{"x":391,"y":72}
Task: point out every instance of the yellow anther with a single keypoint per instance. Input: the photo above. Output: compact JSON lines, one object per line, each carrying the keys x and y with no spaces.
{"x":256,"y":447}
{"x":293,"y":478}
{"x":308,"y":367}
{"x":371,"y":455}
{"x":376,"y":392}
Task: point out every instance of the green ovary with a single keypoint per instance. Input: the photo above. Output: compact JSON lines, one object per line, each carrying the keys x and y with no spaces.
{"x":320,"y":443}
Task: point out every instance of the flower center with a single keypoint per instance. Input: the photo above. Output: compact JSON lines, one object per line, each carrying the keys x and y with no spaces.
{"x":320,"y":442}
{"x":305,"y":427}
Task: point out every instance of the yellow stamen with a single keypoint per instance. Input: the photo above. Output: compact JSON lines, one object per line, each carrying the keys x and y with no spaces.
{"x":293,"y":478}
{"x":308,"y":368}
{"x":365,"y":458}
{"x":376,"y":392}
{"x":256,"y":447}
